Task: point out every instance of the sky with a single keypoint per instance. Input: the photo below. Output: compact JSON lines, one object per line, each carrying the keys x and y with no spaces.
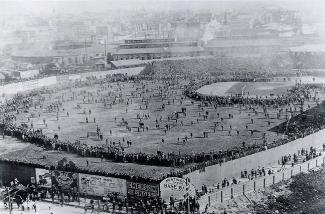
{"x":46,"y":6}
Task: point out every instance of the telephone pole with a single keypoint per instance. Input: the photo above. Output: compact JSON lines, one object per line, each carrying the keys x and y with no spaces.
{"x":188,"y":195}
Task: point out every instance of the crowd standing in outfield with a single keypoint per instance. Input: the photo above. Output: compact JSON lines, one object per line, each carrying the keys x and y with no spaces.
{"x":163,"y":105}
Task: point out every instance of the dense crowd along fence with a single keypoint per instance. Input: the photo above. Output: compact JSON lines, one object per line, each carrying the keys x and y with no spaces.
{"x":201,"y":160}
{"x":244,"y":188}
{"x":141,"y":158}
{"x":230,"y":169}
{"x":74,"y":185}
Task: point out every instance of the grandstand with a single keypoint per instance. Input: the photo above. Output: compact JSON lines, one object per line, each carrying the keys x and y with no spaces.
{"x":309,"y":56}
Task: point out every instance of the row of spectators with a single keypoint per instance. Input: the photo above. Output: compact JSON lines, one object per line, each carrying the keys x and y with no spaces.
{"x":303,"y":155}
{"x":193,"y":161}
{"x":237,"y":68}
{"x":25,"y":196}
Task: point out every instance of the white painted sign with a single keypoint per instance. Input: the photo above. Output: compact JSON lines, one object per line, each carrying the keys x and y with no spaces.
{"x":101,"y":186}
{"x":43,"y":177}
{"x":177,"y":188}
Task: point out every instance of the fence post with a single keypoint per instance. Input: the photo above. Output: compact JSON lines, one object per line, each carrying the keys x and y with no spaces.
{"x":209,"y":199}
{"x":300,"y":168}
{"x":282,"y":176}
{"x":221,"y":197}
{"x":316,"y":162}
{"x":264,"y":183}
{"x":254,"y":186}
{"x":243,"y":189}
{"x":291,"y":173}
{"x":273,"y":179}
{"x":308,"y":166}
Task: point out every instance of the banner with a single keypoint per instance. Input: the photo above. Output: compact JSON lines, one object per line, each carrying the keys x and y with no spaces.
{"x":143,"y":190}
{"x":62,"y":78}
{"x":12,"y":88}
{"x":43,"y":177}
{"x":47,"y":81}
{"x":177,"y":188}
{"x":101,"y":186}
{"x":74,"y":77}
{"x":30,"y":85}
{"x":65,"y":181}
{"x":29,"y":73}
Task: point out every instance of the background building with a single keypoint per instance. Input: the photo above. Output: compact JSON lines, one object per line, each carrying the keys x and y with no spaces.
{"x":146,"y":49}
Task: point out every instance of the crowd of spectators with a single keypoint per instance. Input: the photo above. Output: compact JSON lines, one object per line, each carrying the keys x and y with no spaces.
{"x":183,"y":69}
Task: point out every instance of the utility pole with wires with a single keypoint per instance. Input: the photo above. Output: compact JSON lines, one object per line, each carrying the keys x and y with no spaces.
{"x":187,"y":195}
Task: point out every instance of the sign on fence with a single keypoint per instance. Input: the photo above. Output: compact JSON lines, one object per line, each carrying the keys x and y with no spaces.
{"x":261,"y":182}
{"x":65,"y":181}
{"x":29,"y":85}
{"x":62,"y":78}
{"x":43,"y":177}
{"x":178,"y":188}
{"x":101,"y":186}
{"x":142,"y":190}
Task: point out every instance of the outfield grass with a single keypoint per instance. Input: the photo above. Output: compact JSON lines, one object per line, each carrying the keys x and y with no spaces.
{"x":250,"y":89}
{"x":75,"y":127}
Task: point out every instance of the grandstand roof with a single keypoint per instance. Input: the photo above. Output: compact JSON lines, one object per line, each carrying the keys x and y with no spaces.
{"x":129,"y":62}
{"x":309,"y":48}
{"x":278,"y":27}
{"x":158,"y":50}
{"x":159,"y":43}
{"x":242,"y":43}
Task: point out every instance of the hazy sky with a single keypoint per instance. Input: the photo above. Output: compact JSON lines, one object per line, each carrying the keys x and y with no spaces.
{"x":46,"y":6}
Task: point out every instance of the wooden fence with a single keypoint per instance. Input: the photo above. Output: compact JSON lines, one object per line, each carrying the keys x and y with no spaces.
{"x":232,"y":191}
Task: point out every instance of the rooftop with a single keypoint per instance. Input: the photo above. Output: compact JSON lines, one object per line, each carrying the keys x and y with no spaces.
{"x":158,"y":50}
{"x":154,"y":43}
{"x":129,"y":62}
{"x":309,"y":48}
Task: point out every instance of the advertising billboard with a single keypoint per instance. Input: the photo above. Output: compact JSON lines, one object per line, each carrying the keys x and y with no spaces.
{"x":175,"y":187}
{"x":101,"y":186}
{"x":142,"y":190}
{"x":65,"y":181}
